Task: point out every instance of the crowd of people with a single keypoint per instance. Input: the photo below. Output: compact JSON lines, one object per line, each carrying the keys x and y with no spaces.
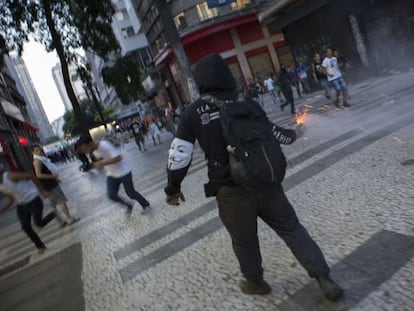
{"x":143,"y":128}
{"x":327,"y":73}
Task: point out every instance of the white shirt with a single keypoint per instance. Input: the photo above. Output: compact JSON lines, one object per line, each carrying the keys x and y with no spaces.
{"x":108,"y":151}
{"x":331,"y":66}
{"x":269,"y":84}
{"x":23,"y":191}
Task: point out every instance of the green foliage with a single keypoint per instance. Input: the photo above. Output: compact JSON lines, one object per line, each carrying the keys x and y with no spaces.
{"x":62,"y":25}
{"x":91,"y":114}
{"x":126,"y":77}
{"x":80,"y":23}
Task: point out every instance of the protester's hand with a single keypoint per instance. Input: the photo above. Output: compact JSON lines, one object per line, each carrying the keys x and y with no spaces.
{"x":300,"y":130}
{"x":97,"y":165}
{"x":175,"y":199}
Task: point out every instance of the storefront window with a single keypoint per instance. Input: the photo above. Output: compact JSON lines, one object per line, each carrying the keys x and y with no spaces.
{"x":204,"y":12}
{"x":240,"y":4}
{"x":180,"y":21}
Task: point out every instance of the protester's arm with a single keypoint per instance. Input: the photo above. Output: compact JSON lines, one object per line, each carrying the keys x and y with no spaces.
{"x":19,"y":176}
{"x":179,"y":160}
{"x":110,"y":161}
{"x":9,"y":200}
{"x":284,"y":136}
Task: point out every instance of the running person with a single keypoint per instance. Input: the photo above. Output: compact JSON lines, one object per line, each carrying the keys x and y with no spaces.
{"x":152,"y":126}
{"x":46,"y":172}
{"x":331,"y":69}
{"x":25,"y":190}
{"x":117,"y":170}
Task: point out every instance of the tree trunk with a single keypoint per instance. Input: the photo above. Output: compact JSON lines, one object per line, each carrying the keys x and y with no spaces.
{"x":57,"y":44}
{"x":95,"y":101}
{"x":178,"y":49}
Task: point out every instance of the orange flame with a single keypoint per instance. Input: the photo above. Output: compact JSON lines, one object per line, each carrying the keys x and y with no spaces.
{"x":300,"y":116}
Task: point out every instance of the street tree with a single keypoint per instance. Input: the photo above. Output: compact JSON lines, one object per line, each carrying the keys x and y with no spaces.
{"x":65,"y":26}
{"x":125,"y":76}
{"x":92,"y":114}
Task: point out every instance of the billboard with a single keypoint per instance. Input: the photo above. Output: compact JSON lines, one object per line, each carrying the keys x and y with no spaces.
{"x":216,"y":3}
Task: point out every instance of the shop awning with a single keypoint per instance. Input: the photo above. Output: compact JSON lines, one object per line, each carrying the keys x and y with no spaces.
{"x":12,"y":110}
{"x":30,"y":126}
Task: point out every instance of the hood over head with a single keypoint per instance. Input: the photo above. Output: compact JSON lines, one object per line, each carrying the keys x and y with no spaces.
{"x":211,"y":73}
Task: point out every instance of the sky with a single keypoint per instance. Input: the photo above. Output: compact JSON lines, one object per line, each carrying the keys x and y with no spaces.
{"x":39,"y":64}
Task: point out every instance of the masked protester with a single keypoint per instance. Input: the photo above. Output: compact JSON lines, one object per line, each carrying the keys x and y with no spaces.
{"x":240,"y":205}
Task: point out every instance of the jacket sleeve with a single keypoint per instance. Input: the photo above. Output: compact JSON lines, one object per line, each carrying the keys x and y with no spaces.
{"x":180,"y":155}
{"x":284,"y":136}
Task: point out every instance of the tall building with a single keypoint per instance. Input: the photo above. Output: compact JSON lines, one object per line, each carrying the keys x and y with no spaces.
{"x":76,"y":82}
{"x":57,"y":127}
{"x":17,"y":133}
{"x":107,"y":95}
{"x":58,"y":77}
{"x":128,"y":31}
{"x":34,"y":106}
{"x":230,"y":28}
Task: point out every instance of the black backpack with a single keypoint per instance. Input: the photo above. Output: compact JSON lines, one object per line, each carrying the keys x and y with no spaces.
{"x":255,"y":156}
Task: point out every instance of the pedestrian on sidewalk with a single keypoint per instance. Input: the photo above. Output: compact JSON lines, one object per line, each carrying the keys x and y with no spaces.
{"x":286,"y":86}
{"x":169,"y":119}
{"x":117,"y":170}
{"x":319,"y":75}
{"x":47,"y":173}
{"x":302,"y":72}
{"x":253,"y":92}
{"x":138,"y":132}
{"x":331,"y":69}
{"x":153,"y":128}
{"x":25,"y":189}
{"x":239,"y":206}
{"x":269,"y":84}
{"x":294,"y":79}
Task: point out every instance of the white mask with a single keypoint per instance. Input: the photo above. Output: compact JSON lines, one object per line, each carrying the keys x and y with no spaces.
{"x":180,"y":154}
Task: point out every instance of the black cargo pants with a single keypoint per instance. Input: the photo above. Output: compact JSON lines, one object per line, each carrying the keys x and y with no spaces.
{"x":239,"y":210}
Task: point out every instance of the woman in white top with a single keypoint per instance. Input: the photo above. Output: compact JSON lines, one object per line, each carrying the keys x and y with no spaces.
{"x":25,"y":190}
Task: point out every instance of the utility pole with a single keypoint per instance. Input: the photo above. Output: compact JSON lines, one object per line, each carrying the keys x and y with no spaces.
{"x":175,"y":42}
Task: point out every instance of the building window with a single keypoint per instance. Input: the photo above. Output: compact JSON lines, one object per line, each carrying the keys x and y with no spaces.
{"x":239,"y":4}
{"x":180,"y":21}
{"x":128,"y":32}
{"x":204,"y":12}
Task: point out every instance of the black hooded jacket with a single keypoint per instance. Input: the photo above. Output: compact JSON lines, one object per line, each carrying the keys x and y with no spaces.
{"x":201,"y":121}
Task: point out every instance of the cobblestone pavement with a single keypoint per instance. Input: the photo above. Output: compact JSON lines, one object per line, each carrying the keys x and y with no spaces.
{"x":351,"y":181}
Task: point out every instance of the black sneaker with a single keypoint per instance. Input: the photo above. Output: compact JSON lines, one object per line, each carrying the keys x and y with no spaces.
{"x":129,"y":210}
{"x":255,"y":287}
{"x":345,"y":104}
{"x":146,"y":209}
{"x":41,"y":250}
{"x":73,"y":220}
{"x":330,"y":288}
